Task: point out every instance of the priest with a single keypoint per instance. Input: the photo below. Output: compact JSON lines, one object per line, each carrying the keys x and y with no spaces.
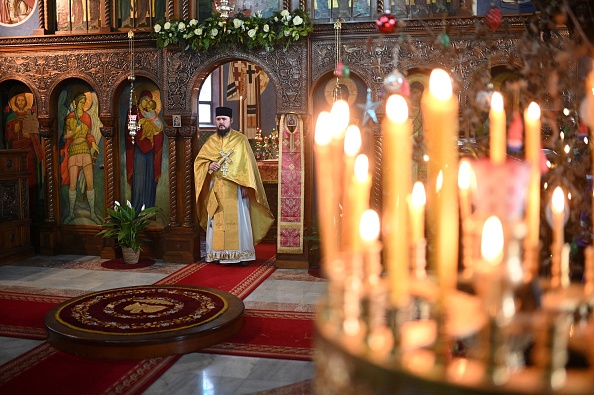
{"x":231,"y":203}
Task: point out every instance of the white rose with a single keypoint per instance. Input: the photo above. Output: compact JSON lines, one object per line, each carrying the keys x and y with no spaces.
{"x":157,"y":28}
{"x":170,"y":34}
{"x":214,"y":32}
{"x":275,"y":19}
{"x":266,"y":28}
{"x":297,"y":20}
{"x":286,"y":33}
{"x":182,"y":26}
{"x":198,"y":32}
{"x":284,"y":13}
{"x":251,"y":33}
{"x":193,"y":22}
{"x":237,"y":23}
{"x":167,"y":25}
{"x":221,"y":24}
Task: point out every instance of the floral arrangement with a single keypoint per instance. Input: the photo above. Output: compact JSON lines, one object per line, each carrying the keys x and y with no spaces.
{"x":282,"y":28}
{"x":126,"y":226}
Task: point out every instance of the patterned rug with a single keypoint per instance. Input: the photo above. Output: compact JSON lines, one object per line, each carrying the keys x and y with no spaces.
{"x":140,"y":310}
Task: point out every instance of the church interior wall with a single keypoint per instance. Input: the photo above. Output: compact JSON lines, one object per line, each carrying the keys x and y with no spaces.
{"x":300,"y":81}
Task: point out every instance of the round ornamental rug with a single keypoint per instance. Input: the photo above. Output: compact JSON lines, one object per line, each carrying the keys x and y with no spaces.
{"x":132,"y":311}
{"x":136,"y":319}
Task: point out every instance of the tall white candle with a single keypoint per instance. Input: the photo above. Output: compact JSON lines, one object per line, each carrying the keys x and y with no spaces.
{"x":350,"y":218}
{"x":497,"y":132}
{"x":558,"y":209}
{"x":417,"y":212}
{"x":532,"y":155}
{"x":325,"y":178}
{"x":396,"y":186}
{"x":357,"y":202}
{"x":440,"y":120}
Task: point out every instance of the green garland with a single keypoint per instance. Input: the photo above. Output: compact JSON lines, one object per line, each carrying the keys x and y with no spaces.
{"x":281,"y":29}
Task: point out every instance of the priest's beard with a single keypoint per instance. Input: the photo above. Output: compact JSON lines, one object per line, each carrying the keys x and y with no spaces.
{"x":223,"y":132}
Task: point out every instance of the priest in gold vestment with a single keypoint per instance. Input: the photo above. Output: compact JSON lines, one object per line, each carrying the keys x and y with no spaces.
{"x":230,"y":197}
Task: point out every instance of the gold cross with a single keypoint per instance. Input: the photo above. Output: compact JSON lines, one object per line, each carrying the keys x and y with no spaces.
{"x":225,"y":157}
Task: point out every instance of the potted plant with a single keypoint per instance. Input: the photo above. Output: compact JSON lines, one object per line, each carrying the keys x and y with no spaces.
{"x":126,"y":226}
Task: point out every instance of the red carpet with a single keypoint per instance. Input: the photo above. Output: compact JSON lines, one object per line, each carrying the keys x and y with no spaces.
{"x":45,"y":370}
{"x":271,"y":334}
{"x":266,"y":334}
{"x":237,"y":280}
{"x":14,"y":322}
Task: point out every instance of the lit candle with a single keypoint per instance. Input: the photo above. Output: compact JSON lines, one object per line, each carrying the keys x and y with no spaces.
{"x":356,"y":203}
{"x":565,"y":280}
{"x":440,"y":121}
{"x":489,"y":281}
{"x":350,"y":218}
{"x":497,"y":129}
{"x":369,"y":228}
{"x":558,"y":209}
{"x":327,"y":203}
{"x":417,"y":213}
{"x":532,"y":156}
{"x":396,"y":185}
{"x":464,"y":172}
{"x":492,"y":241}
{"x":339,"y":120}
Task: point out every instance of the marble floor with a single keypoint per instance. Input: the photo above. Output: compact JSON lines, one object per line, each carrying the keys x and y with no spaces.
{"x":194,"y":373}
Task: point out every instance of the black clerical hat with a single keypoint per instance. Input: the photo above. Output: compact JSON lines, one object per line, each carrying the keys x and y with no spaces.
{"x":223,"y":112}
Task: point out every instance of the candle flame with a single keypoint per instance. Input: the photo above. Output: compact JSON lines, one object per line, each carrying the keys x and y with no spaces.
{"x":558,"y":201}
{"x":492,"y":241}
{"x":440,"y":84}
{"x":439,"y":182}
{"x":352,"y":140}
{"x":418,"y":195}
{"x":361,"y":168}
{"x":369,"y":226}
{"x":497,"y":102}
{"x":464,"y":175}
{"x":340,"y":118}
{"x":397,"y":109}
{"x":323,"y":134}
{"x":533,"y":112}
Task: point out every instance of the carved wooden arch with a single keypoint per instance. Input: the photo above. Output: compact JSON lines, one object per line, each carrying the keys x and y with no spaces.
{"x":118,"y":87}
{"x":54,"y":88}
{"x":287,"y":70}
{"x":19,"y":79}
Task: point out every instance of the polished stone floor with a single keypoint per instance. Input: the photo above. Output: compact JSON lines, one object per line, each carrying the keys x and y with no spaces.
{"x":195,"y":373}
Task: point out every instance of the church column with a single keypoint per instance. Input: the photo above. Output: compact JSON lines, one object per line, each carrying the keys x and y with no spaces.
{"x":188,"y":169}
{"x":46,"y":25}
{"x":49,"y":233}
{"x":106,"y":25}
{"x":181,"y":243}
{"x":108,"y":250}
{"x":171,"y":134}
